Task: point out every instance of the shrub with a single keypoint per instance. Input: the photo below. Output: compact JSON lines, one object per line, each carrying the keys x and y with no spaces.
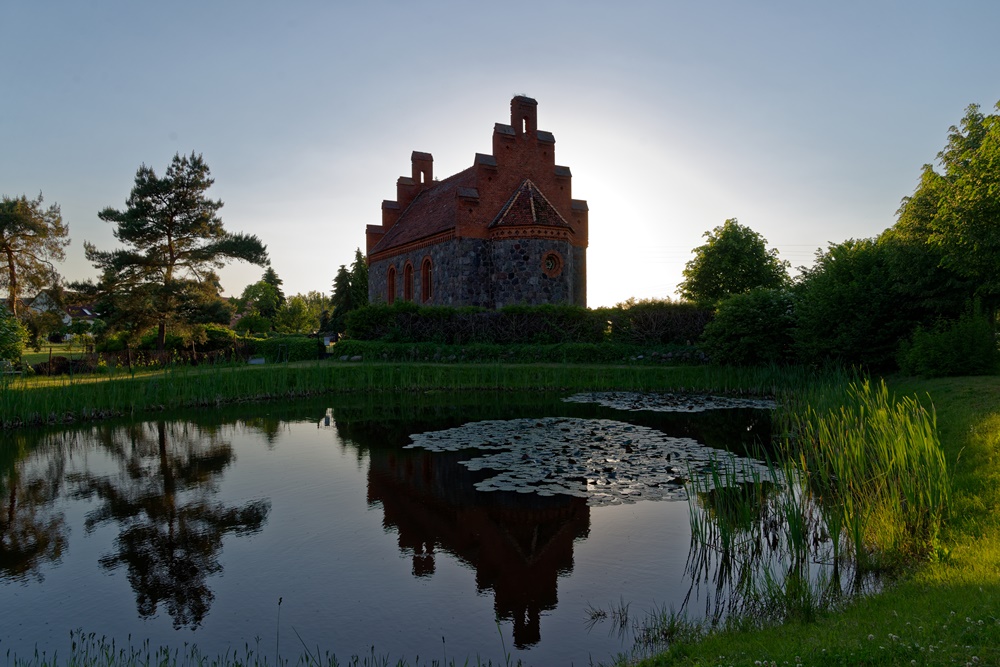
{"x":573,"y":353}
{"x":288,"y":348}
{"x":656,"y":322}
{"x":752,"y":329}
{"x":405,"y":322}
{"x":253,"y":324}
{"x":113,"y":343}
{"x":13,"y":337}
{"x":966,"y":346}
{"x":171,"y":341}
{"x":217,"y":337}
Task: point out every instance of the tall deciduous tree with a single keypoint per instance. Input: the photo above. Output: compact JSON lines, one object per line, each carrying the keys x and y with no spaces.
{"x":958,"y":208}
{"x":174,"y":240}
{"x":31,"y":239}
{"x":735,"y":260}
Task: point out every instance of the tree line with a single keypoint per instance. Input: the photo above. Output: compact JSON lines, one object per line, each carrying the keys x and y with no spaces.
{"x":921,"y":296}
{"x":163,"y":276}
{"x":924,"y":293}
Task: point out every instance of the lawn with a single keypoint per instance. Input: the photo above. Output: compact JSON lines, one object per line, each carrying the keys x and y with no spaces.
{"x":31,"y":357}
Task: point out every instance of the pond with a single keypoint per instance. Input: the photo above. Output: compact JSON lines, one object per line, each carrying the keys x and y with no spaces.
{"x":424,"y":525}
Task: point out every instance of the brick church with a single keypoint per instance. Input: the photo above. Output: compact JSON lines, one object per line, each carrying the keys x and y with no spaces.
{"x":504,"y":231}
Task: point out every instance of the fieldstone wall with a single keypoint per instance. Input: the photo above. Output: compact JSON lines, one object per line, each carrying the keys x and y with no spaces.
{"x":519,"y":276}
{"x":490,"y":274}
{"x":460,"y":274}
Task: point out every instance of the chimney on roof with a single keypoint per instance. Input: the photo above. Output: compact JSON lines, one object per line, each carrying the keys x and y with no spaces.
{"x":523,"y":115}
{"x":423,"y":168}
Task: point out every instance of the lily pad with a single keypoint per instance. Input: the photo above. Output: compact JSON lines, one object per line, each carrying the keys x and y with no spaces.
{"x":609,"y":462}
{"x":636,"y":401}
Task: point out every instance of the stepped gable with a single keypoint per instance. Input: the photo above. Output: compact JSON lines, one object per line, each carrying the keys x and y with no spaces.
{"x":506,"y":230}
{"x":431,"y":212}
{"x":528,"y":207}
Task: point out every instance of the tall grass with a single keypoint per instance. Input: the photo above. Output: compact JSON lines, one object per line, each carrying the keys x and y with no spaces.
{"x":90,"y":650}
{"x":859,"y":489}
{"x":43,"y":400}
{"x":876,"y":467}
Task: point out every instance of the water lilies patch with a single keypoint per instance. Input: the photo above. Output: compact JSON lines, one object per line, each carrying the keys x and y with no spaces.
{"x":607,"y":462}
{"x":633,"y":401}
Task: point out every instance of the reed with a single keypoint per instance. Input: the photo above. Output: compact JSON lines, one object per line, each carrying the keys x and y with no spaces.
{"x":90,"y":650}
{"x":858,"y":489}
{"x":876,"y":465}
{"x":64,"y":399}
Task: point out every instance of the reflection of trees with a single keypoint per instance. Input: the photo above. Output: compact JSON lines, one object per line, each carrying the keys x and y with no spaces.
{"x":30,"y":531}
{"x":171,"y":531}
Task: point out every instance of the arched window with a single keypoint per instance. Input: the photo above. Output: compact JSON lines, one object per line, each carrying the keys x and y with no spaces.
{"x":390,"y":281}
{"x":408,"y":282}
{"x":426,"y":286}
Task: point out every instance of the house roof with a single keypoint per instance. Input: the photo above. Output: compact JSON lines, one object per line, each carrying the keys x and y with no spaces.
{"x":528,"y":207}
{"x":432,"y":211}
{"x":81,"y":312}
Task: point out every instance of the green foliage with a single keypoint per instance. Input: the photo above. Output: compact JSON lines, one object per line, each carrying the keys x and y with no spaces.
{"x":288,"y":348}
{"x":13,"y":337}
{"x":149,"y":341}
{"x":655,"y":322}
{"x":407,"y":322}
{"x":300,"y":314}
{"x":253,"y":324}
{"x":966,"y":346}
{"x":271,"y":278}
{"x":559,"y":353}
{"x":958,"y":210}
{"x":31,"y":238}
{"x":260,"y":298}
{"x":40,"y":325}
{"x":174,"y":240}
{"x":750,"y":329}
{"x":217,"y":337}
{"x":650,"y":323}
{"x":735,"y":260}
{"x":863,"y":297}
{"x":350,"y":292}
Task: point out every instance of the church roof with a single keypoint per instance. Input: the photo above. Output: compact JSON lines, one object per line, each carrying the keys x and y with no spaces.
{"x":431,"y":212}
{"x":528,"y":207}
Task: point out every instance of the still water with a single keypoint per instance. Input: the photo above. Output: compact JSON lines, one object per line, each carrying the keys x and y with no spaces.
{"x":335,"y":521}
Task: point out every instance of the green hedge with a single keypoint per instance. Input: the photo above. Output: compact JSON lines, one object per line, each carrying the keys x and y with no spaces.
{"x":574,"y":353}
{"x":643,"y":323}
{"x":653,"y":322}
{"x":287,"y":348}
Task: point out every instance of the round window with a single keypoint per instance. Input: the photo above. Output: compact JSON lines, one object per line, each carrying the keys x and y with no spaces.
{"x":552,"y":264}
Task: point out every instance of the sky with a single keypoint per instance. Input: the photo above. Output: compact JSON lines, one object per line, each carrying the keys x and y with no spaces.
{"x":806,"y":121}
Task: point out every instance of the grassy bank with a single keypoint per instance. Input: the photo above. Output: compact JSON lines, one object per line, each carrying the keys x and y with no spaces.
{"x":63,"y":399}
{"x":945,"y":611}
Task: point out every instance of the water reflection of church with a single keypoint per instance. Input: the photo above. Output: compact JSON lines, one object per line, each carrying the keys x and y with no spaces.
{"x":518,"y":544}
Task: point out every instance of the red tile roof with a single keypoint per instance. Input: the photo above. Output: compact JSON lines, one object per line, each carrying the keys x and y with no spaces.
{"x":433,"y":211}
